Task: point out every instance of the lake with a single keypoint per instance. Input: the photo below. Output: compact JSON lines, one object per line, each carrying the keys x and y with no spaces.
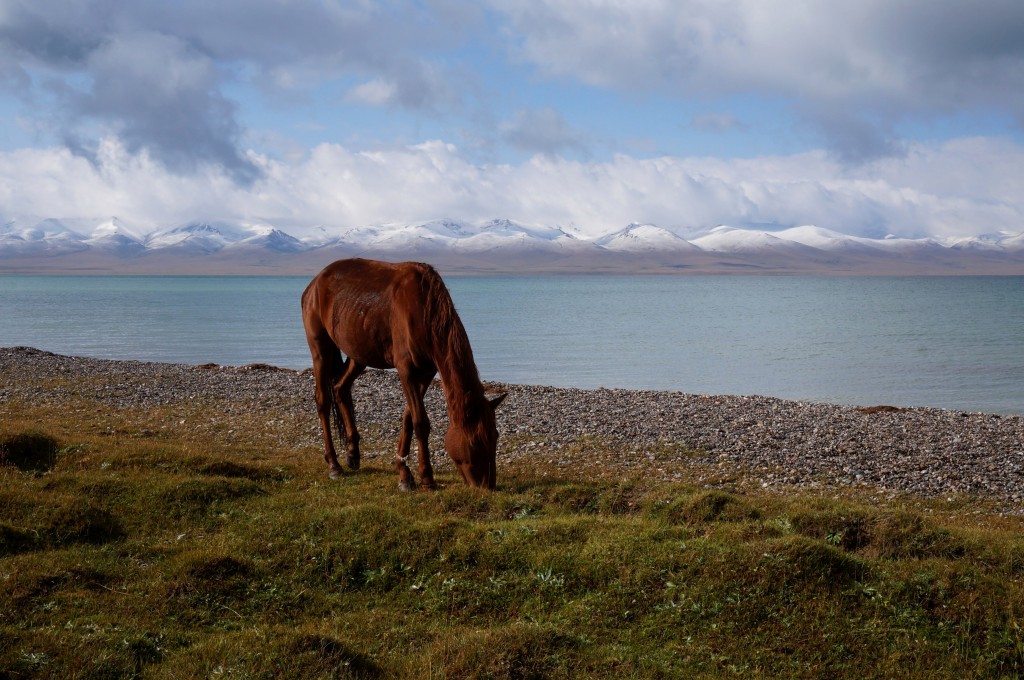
{"x":952,"y":342}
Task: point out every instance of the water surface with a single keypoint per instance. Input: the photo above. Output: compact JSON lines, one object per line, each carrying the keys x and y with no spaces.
{"x":954,"y":342}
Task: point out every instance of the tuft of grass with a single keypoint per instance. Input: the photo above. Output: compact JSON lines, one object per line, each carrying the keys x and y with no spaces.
{"x":204,"y":587}
{"x":901,"y":535}
{"x":592,"y":498}
{"x":518,"y":650}
{"x":77,"y":520}
{"x":802,"y":562}
{"x":890,"y":534}
{"x":309,"y":655}
{"x":703,"y":507}
{"x":197,"y":498}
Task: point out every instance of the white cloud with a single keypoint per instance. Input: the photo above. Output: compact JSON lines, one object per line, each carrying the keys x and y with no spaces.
{"x":965,"y":187}
{"x":374,"y":93}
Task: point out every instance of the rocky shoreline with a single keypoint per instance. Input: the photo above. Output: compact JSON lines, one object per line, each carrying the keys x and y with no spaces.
{"x":754,"y":441}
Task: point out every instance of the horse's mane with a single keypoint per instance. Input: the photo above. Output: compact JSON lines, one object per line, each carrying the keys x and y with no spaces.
{"x":448,"y":335}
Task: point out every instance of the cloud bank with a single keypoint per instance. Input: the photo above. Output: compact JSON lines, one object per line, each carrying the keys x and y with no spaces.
{"x":965,"y":187}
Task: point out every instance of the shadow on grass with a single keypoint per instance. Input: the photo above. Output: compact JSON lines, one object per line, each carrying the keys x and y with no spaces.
{"x":14,"y":540}
{"x":29,"y":451}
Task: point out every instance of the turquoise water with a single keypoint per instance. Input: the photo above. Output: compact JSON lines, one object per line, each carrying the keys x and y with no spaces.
{"x":933,"y":341}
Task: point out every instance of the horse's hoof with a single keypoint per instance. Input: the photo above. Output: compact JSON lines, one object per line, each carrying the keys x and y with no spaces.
{"x":403,"y":486}
{"x":352,"y":462}
{"x":429,"y":486}
{"x":334,"y":472}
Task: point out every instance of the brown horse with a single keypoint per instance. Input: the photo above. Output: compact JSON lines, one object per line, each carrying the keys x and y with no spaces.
{"x":401,"y":316}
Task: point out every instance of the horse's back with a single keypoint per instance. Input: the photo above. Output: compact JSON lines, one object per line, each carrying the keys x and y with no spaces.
{"x":358,"y":303}
{"x":365,"y":282}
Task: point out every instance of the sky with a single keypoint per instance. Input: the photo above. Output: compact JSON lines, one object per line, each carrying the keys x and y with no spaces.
{"x":869,"y":117}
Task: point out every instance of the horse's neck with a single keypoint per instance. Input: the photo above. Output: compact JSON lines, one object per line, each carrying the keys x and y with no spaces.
{"x":462,"y":387}
{"x":452,"y":354}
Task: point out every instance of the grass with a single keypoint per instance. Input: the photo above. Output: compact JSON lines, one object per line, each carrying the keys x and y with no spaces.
{"x":133,"y":549}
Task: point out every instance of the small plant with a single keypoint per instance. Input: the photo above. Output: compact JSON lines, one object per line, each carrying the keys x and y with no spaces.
{"x":547,"y":578}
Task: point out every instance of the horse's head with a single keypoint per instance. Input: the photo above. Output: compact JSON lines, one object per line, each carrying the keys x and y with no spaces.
{"x":474,"y":446}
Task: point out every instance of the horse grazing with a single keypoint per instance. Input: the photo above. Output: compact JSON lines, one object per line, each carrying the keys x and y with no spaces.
{"x":401,"y":316}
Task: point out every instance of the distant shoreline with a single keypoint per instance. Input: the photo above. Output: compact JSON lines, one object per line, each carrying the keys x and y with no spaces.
{"x":62,"y":267}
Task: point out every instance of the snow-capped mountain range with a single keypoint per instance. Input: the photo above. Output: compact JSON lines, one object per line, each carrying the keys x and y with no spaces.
{"x":500,"y":245}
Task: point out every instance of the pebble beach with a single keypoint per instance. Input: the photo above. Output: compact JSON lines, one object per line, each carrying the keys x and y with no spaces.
{"x":754,"y":441}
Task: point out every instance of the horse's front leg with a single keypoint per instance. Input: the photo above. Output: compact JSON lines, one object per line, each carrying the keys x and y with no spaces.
{"x":406,"y":482}
{"x":415,"y":421}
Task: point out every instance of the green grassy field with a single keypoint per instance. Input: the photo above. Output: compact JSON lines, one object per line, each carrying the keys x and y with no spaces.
{"x":130,"y":548}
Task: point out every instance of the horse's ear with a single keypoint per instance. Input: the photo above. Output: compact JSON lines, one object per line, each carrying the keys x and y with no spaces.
{"x":497,"y":400}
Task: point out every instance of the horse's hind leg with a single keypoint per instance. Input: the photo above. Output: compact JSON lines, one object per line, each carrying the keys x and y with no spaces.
{"x":325,"y":368}
{"x":346,"y":409}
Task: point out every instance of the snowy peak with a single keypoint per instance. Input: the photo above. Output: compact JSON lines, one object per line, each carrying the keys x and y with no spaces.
{"x":985,"y":242}
{"x":114,"y":237}
{"x":725,"y":239}
{"x":504,"y":235}
{"x":206,"y":237}
{"x":644,"y":238}
{"x":818,"y":237}
{"x":508,"y":228}
{"x":113,"y":226}
{"x":448,"y":228}
{"x":273,"y":240}
{"x":397,"y":238}
{"x":44,"y":237}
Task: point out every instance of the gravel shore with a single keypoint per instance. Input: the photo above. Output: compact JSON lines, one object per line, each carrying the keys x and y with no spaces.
{"x":761,"y":441}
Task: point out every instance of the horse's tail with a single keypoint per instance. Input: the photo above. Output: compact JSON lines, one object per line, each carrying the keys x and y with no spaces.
{"x":338,"y":367}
